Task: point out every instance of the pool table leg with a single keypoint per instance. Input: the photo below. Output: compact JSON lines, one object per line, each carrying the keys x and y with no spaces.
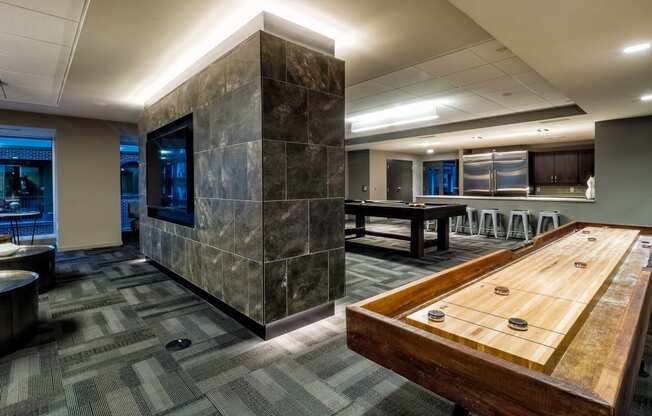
{"x":417,"y":238}
{"x":459,"y":411}
{"x":359,"y":225}
{"x":442,"y":234}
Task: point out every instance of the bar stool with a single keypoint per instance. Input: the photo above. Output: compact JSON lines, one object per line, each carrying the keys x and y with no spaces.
{"x":471,"y":213}
{"x":495,"y":218}
{"x":524,"y":215}
{"x":552,"y":215}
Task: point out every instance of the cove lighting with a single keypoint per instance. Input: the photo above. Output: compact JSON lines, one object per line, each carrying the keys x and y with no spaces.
{"x":636,"y":48}
{"x":646,"y":97}
{"x":395,"y":116}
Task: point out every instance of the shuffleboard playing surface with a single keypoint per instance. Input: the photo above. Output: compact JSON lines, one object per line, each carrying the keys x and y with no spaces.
{"x":546,"y":289}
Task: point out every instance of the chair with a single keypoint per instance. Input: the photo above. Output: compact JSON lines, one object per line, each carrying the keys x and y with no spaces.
{"x":494,"y":216}
{"x":550,"y":215}
{"x":471,"y":214}
{"x":524,"y":215}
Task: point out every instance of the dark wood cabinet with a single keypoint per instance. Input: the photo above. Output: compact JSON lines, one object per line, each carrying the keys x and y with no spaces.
{"x":567,"y":168}
{"x":586,"y":165}
{"x":544,"y":168}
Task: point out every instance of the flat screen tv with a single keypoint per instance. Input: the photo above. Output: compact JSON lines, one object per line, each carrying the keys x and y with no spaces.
{"x":170,"y":190}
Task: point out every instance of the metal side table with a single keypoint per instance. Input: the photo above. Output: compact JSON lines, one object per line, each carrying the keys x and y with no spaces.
{"x":14,"y":218}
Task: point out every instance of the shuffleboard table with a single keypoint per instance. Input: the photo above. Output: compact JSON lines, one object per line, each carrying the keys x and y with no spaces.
{"x":554,"y":327}
{"x":401,"y":210}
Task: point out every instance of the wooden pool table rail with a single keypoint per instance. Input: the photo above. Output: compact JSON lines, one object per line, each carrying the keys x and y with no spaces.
{"x":480,"y":381}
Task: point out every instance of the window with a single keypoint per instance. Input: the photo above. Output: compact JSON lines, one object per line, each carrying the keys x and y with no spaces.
{"x":440,"y":178}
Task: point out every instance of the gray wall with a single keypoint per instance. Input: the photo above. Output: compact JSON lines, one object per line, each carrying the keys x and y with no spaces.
{"x":269,"y":179}
{"x":623,"y":151}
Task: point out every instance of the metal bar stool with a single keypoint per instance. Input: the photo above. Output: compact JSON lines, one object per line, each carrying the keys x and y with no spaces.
{"x":471,"y":214}
{"x":551,"y":215}
{"x":494,"y":216}
{"x":524,"y":215}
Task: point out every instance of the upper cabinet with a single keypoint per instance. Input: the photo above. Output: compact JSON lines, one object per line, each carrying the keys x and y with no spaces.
{"x":568,"y":168}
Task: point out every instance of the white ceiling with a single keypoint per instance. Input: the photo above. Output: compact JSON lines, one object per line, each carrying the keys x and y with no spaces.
{"x":37,"y":43}
{"x":577,"y":45}
{"x":479,"y":81}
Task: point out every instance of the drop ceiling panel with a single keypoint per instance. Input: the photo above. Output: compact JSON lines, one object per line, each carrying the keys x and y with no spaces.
{"x":474,"y":75}
{"x":43,"y":59}
{"x":513,"y":66}
{"x":473,"y":104}
{"x":519,"y":99}
{"x":403,"y":77}
{"x":429,"y":87}
{"x":26,"y":23}
{"x":67,"y":9}
{"x":364,"y":89}
{"x":502,"y":84}
{"x":37,"y":40}
{"x":492,"y":51}
{"x":451,"y":63}
{"x":393,"y":97}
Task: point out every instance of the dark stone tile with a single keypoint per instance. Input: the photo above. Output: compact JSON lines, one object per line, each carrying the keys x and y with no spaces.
{"x":234,"y":171}
{"x":255,"y":171}
{"x":194,"y":259}
{"x":256,"y":291}
{"x":306,"y":171}
{"x":325,"y":119}
{"x":179,"y":256}
{"x":201,"y":129}
{"x":186,"y":97}
{"x":214,"y":173}
{"x":326,"y":224}
{"x":157,"y":244}
{"x":216,"y":223}
{"x":238,"y":274}
{"x":307,"y":68}
{"x":243,"y":112}
{"x":204,"y":177}
{"x":166,"y":249}
{"x":211,"y":82}
{"x":275,"y":290}
{"x":243,"y":63}
{"x":285,"y":229}
{"x":272,"y":59}
{"x":335,"y":177}
{"x":307,"y":282}
{"x":285,"y":112}
{"x":219,"y":127}
{"x":336,"y":75}
{"x":212,"y":274}
{"x":274,"y":170}
{"x":249,"y":229}
{"x":336,"y":274}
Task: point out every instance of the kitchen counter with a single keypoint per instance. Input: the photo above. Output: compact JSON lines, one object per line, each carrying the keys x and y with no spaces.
{"x":511,"y":198}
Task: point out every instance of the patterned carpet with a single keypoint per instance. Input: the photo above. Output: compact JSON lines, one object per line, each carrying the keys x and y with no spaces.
{"x":100,"y":348}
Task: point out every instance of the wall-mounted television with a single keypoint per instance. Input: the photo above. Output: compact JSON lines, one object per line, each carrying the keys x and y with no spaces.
{"x":170,"y":173}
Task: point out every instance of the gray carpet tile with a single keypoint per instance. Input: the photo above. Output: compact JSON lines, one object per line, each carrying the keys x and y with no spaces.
{"x":100,"y":345}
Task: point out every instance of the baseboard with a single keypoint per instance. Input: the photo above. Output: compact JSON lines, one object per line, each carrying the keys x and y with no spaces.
{"x":264,"y":331}
{"x":89,"y":246}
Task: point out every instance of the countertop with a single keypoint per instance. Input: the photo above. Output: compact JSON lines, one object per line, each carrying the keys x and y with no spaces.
{"x":511,"y":198}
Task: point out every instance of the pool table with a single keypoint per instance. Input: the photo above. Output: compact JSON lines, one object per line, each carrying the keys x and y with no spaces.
{"x":417,"y":215}
{"x":556,"y":326}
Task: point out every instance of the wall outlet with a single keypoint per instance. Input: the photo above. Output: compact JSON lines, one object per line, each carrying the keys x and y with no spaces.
{"x":538,"y":189}
{"x":572,"y":189}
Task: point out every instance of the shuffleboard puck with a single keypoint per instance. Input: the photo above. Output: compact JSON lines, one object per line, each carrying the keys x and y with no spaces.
{"x":501,"y":290}
{"x":580,"y":265}
{"x":586,"y":231}
{"x":435,"y":315}
{"x":592,"y":239}
{"x":517,"y":324}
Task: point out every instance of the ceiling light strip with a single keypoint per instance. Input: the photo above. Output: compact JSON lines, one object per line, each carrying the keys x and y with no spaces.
{"x":355,"y":129}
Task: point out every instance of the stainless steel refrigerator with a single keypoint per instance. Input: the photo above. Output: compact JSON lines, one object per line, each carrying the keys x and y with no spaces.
{"x":496,"y":174}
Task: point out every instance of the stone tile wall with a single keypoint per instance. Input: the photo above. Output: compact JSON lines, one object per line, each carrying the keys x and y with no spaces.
{"x":269,"y":179}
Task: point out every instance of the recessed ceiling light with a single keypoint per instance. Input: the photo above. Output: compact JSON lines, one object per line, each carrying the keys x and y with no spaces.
{"x":636,"y":48}
{"x":430,"y":151}
{"x":646,"y":97}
